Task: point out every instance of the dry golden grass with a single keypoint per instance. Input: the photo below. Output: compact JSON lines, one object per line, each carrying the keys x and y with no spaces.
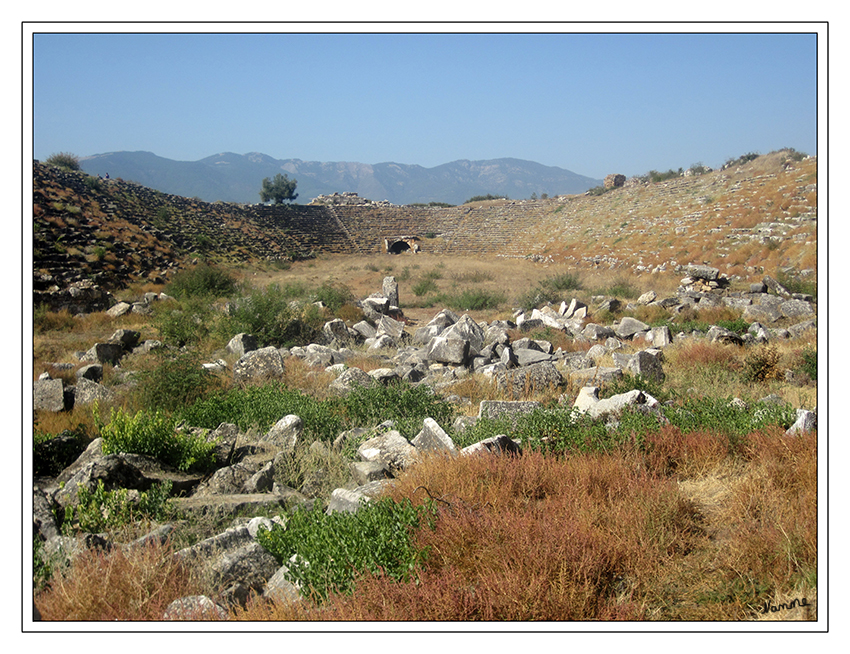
{"x":108,"y":586}
{"x":55,"y":422}
{"x":687,"y":530}
{"x":309,"y":379}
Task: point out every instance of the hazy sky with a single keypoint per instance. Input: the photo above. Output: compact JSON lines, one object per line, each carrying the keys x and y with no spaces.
{"x":591,"y":103}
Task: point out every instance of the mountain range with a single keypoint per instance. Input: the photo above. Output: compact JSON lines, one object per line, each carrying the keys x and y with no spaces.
{"x":233,"y":177}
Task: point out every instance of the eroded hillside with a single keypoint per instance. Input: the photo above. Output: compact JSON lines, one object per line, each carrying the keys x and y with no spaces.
{"x":745,"y":220}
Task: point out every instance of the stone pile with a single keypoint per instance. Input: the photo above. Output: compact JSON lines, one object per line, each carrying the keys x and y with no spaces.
{"x":78,"y":297}
{"x":249,"y":466}
{"x":349,"y":198}
{"x":614,"y":181}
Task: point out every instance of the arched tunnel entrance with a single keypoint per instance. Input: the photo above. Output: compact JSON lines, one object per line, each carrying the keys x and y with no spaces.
{"x":399,"y":244}
{"x":398,"y":247}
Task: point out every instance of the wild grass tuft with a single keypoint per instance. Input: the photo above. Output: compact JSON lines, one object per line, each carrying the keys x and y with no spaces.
{"x":117,"y":585}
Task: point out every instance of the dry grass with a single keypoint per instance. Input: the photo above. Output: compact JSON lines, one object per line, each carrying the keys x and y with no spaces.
{"x":310,"y":380}
{"x":117,"y":585}
{"x":690,"y":529}
{"x":55,"y":422}
{"x":702,"y":353}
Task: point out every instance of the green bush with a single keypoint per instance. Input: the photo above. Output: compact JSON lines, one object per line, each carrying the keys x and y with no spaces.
{"x":797,"y":284}
{"x":64,"y":160}
{"x":739,"y":325}
{"x":424,"y":286}
{"x":175,"y":382}
{"x":551,"y":290}
{"x":719,"y":415}
{"x":740,"y":161}
{"x":630,"y":382}
{"x":42,"y":566}
{"x":271,"y":316}
{"x":406,"y":405}
{"x":550,"y":430}
{"x":204,"y":281}
{"x":188,"y":323}
{"x":100,"y":510}
{"x":154,"y":435}
{"x":656,"y":176}
{"x":621,"y":288}
{"x":562,"y":430}
{"x":93,"y":183}
{"x":323,"y":552}
{"x":332,"y":295}
{"x":489,"y":196}
{"x":810,"y":363}
{"x":260,"y":407}
{"x":470,"y":300}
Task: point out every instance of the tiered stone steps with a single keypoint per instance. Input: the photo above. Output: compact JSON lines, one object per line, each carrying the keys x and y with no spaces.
{"x":147,"y":232}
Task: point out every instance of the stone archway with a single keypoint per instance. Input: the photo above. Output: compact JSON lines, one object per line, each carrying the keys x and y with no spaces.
{"x":399,"y":244}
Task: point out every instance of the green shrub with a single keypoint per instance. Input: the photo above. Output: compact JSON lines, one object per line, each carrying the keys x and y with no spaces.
{"x":630,"y":382}
{"x":271,"y":316}
{"x":423,"y":287}
{"x":406,"y":405}
{"x":162,"y":218}
{"x":795,"y":283}
{"x":550,"y":430}
{"x":203,"y":280}
{"x":720,"y":415}
{"x":810,"y":363}
{"x":332,"y":295}
{"x":64,"y":160}
{"x":324,"y":552}
{"x":565,"y":281}
{"x":739,"y":325}
{"x":621,"y":288}
{"x":93,"y":183}
{"x":175,"y":382}
{"x":100,"y":510}
{"x":154,"y":435}
{"x":551,"y":290}
{"x":562,"y":430}
{"x":203,"y":242}
{"x":260,"y":407}
{"x":188,"y":323}
{"x":656,"y":176}
{"x":471,"y":300}
{"x":489,"y":196}
{"x":42,"y":566}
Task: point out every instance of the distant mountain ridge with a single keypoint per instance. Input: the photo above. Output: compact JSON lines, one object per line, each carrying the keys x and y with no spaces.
{"x":234,"y":177}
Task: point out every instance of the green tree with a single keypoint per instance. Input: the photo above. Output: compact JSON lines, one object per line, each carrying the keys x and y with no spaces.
{"x":278,"y":189}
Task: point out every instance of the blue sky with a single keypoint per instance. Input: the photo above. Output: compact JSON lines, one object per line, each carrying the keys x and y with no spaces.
{"x":591,"y":103}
